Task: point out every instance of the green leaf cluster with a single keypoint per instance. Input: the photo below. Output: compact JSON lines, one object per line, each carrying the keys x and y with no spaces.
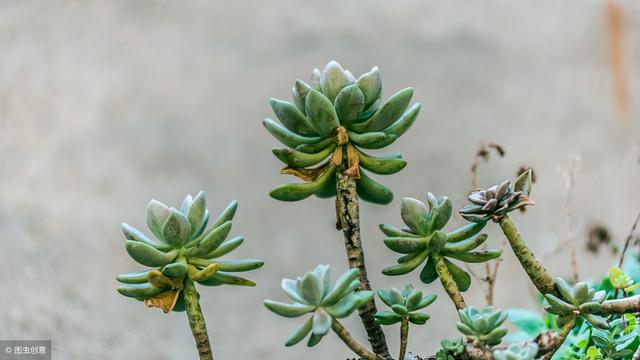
{"x":482,"y":325}
{"x":329,"y":123}
{"x":183,"y":246}
{"x":404,"y":305}
{"x":423,"y":239}
{"x":579,"y":300}
{"x":451,"y":349}
{"x":526,"y":351}
{"x":313,"y":294}
{"x":621,"y":281}
{"x":498,"y":200}
{"x":612,"y":344}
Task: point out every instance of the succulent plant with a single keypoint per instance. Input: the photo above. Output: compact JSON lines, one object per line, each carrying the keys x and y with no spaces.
{"x":526,"y":351}
{"x":621,"y":281}
{"x":579,"y":300}
{"x":313,"y":294}
{"x":451,"y":349}
{"x":424,"y":240}
{"x":482,"y":325}
{"x":495,"y":202}
{"x":329,"y":123}
{"x":404,"y":304}
{"x":185,"y":247}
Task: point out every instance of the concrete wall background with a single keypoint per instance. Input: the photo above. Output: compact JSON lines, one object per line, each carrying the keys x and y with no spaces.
{"x":105,"y":105}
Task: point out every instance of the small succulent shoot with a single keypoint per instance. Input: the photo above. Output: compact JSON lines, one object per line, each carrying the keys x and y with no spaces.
{"x":404,"y":309}
{"x":579,"y":300}
{"x":526,"y":351}
{"x":313,"y":294}
{"x":184,"y":248}
{"x":498,"y":200}
{"x":329,"y":124}
{"x":404,"y":305}
{"x":621,"y":281}
{"x":423,"y":240}
{"x":451,"y":349}
{"x":482,"y":325}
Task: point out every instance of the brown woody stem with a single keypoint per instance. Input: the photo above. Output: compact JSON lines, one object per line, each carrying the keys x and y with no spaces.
{"x":404,"y":337}
{"x":196,"y":320}
{"x":348,"y":214}
{"x":448,"y":283}
{"x":564,"y":332}
{"x":344,"y":335}
{"x":629,"y":305}
{"x":539,"y":276}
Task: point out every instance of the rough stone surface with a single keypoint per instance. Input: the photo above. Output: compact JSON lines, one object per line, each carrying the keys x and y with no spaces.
{"x":104,"y":105}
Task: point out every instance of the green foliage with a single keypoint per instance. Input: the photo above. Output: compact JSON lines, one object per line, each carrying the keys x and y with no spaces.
{"x":404,"y":305}
{"x":614,"y":343}
{"x":184,"y":247}
{"x":482,"y":325}
{"x":329,"y":124}
{"x":313,"y":294}
{"x":621,"y":281}
{"x":451,"y":349}
{"x":423,"y":238}
{"x":526,"y":351}
{"x":579,"y":300}
{"x":495,"y":202}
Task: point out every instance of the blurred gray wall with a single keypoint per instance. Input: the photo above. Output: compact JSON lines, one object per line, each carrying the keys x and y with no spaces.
{"x":105,"y":105}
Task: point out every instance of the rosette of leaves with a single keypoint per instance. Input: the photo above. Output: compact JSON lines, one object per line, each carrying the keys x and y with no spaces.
{"x":579,"y":300}
{"x":184,"y":247}
{"x":423,"y":240}
{"x":404,"y":304}
{"x":313,"y":294}
{"x":621,"y":281}
{"x":329,"y":124}
{"x":495,"y":202}
{"x":482,"y":325}
{"x":451,"y":349}
{"x":526,"y":351}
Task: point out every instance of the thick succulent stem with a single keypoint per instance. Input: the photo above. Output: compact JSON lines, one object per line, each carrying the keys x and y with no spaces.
{"x":629,"y":305}
{"x":344,"y":335}
{"x":448,"y":283}
{"x":196,"y":320}
{"x":564,"y":332}
{"x":347,"y":210}
{"x":537,"y":273}
{"x":404,"y":337}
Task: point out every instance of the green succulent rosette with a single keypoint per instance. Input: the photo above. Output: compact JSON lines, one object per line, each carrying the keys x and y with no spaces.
{"x":329,"y":123}
{"x":526,"y":351}
{"x":313,"y":294}
{"x":404,"y":303}
{"x":577,"y":300}
{"x":482,"y":325}
{"x":423,"y":240}
{"x":183,"y":247}
{"x":451,"y":349}
{"x":498,"y":200}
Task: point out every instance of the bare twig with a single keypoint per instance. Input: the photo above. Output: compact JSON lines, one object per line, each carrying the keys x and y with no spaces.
{"x":482,"y":156}
{"x":627,"y":241}
{"x":569,"y":238}
{"x":491,"y":273}
{"x":491,"y":280}
{"x":570,"y":181}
